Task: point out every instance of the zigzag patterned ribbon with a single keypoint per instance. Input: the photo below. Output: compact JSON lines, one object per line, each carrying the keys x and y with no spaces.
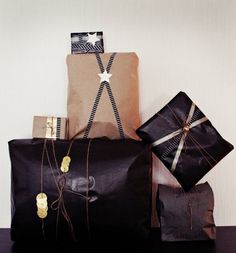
{"x":184,"y":131}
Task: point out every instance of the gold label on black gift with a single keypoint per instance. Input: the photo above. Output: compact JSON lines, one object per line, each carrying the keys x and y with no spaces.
{"x":65,"y":164}
{"x":42,"y":205}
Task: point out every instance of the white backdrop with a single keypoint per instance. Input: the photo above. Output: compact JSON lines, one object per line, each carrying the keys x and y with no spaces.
{"x":182,"y":45}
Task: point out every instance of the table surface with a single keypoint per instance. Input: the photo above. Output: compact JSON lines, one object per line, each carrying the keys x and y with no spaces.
{"x":225,"y":243}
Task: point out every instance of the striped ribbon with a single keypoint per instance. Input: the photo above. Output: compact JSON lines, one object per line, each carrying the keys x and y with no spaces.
{"x":184,"y":131}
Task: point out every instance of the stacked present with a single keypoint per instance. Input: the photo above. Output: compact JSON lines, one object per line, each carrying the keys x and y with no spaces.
{"x":91,"y":174}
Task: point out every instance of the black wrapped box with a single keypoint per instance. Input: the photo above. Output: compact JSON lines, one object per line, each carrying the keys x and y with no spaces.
{"x":106,"y":191}
{"x":193,"y":220}
{"x":184,"y":140}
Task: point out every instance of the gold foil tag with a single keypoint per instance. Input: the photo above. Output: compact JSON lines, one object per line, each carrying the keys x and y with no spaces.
{"x":41,"y":197}
{"x":65,"y":164}
{"x":42,"y":214}
{"x":42,"y":205}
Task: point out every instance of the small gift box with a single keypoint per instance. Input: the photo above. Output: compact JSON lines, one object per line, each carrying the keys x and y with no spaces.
{"x":87,"y":42}
{"x":193,"y":220}
{"x":184,"y":139}
{"x":50,"y":127}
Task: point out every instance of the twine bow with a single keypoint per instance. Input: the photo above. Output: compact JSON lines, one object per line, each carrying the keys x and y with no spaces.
{"x":60,"y":182}
{"x":185,"y":130}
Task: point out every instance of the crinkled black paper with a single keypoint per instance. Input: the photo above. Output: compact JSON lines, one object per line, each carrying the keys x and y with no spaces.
{"x":186,"y":216}
{"x":203,"y":148}
{"x":119,"y":188}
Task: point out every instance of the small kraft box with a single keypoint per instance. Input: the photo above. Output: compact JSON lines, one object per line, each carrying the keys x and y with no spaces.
{"x":50,"y":127}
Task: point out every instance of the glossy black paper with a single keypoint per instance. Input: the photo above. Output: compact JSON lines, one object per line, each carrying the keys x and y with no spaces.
{"x":204,"y":147}
{"x":186,"y":216}
{"x":119,"y":188}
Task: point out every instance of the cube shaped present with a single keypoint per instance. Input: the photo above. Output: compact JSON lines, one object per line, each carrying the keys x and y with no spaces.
{"x":50,"y":127}
{"x":193,"y":220}
{"x":184,"y":140}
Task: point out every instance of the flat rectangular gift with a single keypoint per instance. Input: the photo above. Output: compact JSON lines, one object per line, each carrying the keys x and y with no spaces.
{"x":50,"y":127}
{"x":104,"y":86}
{"x":186,"y":216}
{"x":80,"y":189}
{"x":184,"y":139}
{"x":87,"y":42}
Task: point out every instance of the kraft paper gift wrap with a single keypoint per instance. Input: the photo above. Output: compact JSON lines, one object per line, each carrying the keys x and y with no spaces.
{"x":184,"y":139}
{"x":84,"y":82}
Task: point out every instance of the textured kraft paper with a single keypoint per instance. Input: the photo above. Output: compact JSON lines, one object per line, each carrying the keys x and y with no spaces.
{"x":83,"y":86}
{"x":42,"y":130}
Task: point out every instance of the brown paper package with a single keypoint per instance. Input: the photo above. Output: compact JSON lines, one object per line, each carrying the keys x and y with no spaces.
{"x":83,"y":86}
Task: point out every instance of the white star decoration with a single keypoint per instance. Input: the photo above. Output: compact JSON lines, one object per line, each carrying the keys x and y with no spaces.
{"x":104,"y":77}
{"x":92,"y":38}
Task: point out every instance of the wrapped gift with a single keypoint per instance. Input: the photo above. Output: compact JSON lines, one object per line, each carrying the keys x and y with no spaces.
{"x":87,"y":42}
{"x":50,"y":127}
{"x":105,"y":190}
{"x":184,"y":140}
{"x":103,"y":96}
{"x":193,"y":219}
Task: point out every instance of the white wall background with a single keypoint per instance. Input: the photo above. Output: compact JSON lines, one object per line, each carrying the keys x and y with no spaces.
{"x":187,"y":45}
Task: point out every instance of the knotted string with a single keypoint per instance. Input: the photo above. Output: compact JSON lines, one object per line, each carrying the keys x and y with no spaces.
{"x":60,"y":182}
{"x":59,"y":204}
{"x":184,"y":125}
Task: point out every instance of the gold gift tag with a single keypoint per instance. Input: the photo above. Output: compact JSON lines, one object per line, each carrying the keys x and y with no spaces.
{"x":42,"y":205}
{"x":42,"y":210}
{"x":65,"y":164}
{"x":41,"y":197}
{"x":41,"y":214}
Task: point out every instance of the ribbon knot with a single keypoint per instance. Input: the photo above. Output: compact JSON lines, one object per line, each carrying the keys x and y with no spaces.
{"x":186,"y":129}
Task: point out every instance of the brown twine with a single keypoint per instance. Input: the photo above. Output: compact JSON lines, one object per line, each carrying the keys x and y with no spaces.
{"x":176,"y":117}
{"x":194,"y":141}
{"x":60,"y":182}
{"x":87,"y":192}
{"x":41,"y":184}
{"x":59,"y":204}
{"x":201,"y":148}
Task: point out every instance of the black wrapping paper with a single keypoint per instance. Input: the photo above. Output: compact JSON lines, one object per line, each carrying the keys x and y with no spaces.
{"x":203,"y":146}
{"x":186,"y":216}
{"x":119,"y":189}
